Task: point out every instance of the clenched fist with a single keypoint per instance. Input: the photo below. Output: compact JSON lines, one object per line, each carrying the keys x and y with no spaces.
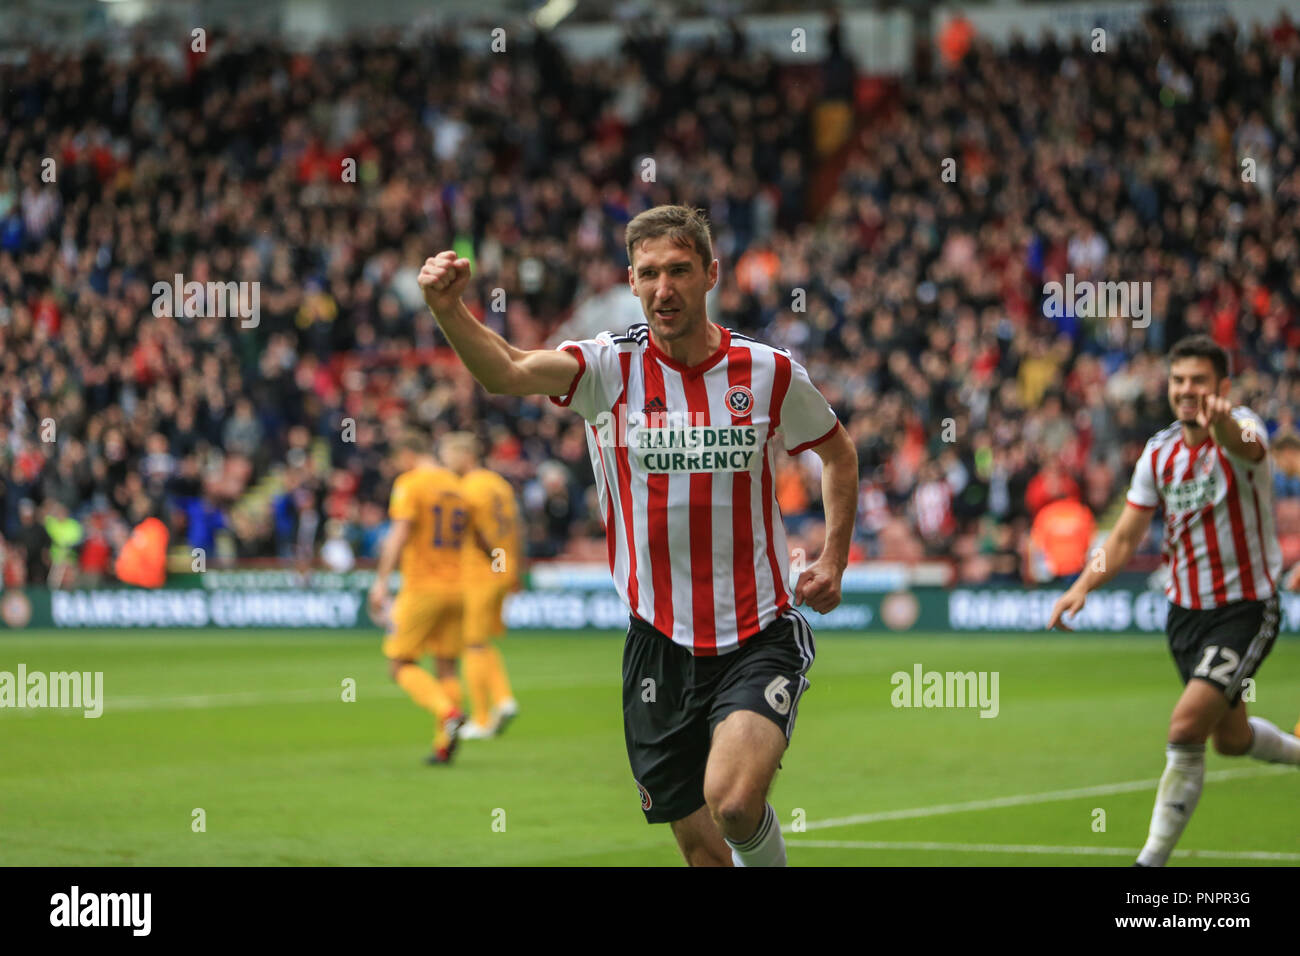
{"x":443,"y":279}
{"x":819,"y":587}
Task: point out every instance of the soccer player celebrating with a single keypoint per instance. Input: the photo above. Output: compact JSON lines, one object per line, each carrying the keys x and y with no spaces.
{"x":683,"y":421}
{"x":1210,"y":471}
{"x":489,"y":576}
{"x":430,"y":523}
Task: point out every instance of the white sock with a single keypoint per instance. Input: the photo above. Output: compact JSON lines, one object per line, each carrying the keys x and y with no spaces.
{"x":1180,"y":788}
{"x":1272,"y":744}
{"x":765,"y":848}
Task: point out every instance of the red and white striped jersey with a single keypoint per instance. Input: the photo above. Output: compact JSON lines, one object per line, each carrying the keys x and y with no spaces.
{"x":1220,"y":541}
{"x":684,"y":465}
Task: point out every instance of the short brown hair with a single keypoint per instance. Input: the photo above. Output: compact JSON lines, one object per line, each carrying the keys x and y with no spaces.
{"x":682,"y":224}
{"x":1201,"y":346}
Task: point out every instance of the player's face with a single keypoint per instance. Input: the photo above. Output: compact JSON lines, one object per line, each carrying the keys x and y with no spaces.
{"x":1190,"y":380}
{"x":671,"y":281}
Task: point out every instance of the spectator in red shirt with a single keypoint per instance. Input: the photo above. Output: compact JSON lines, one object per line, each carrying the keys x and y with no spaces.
{"x":96,"y":555}
{"x":1051,"y":484}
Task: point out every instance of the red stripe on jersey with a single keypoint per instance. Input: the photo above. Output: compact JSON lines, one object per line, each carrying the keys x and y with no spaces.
{"x":625,"y":485}
{"x":1216,"y":557}
{"x":1259,"y":530}
{"x":1193,"y":573}
{"x":1238,"y":529}
{"x":1169,"y":462}
{"x":611,"y":532}
{"x":661,"y":570}
{"x":704,"y":633}
{"x":1171,"y":545}
{"x":798,"y":449}
{"x":1213,"y":551}
{"x":769,"y":503}
{"x":1193,"y":577}
{"x":780,"y":385}
{"x":739,"y":372}
{"x":564,"y":400}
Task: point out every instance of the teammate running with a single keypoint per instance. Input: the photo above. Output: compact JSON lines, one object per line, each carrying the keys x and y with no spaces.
{"x":681,"y":416}
{"x":1210,"y":472}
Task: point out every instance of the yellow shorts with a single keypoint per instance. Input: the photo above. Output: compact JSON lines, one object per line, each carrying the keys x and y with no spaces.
{"x":483,"y":601}
{"x":425,"y":622}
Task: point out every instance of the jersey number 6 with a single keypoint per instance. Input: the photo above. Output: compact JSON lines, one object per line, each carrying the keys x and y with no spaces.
{"x":777,"y":695}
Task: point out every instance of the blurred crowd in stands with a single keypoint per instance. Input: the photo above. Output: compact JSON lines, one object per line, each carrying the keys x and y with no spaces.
{"x":914,"y":298}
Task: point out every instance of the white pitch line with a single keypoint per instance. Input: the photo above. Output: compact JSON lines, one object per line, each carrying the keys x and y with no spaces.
{"x":1025,"y":798}
{"x":1036,"y":848}
{"x":235,"y":699}
{"x":250,"y":698}
{"x":199,"y":701}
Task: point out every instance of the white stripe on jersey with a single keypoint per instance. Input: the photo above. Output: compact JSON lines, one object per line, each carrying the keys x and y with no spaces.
{"x":707,"y":563}
{"x":1220,"y":542}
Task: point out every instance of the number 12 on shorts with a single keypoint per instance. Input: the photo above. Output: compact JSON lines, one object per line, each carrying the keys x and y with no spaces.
{"x":1222,"y":673}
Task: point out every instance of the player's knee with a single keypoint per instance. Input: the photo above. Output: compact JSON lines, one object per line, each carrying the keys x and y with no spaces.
{"x":1186,"y":729}
{"x":395,"y":667}
{"x":734,"y":805}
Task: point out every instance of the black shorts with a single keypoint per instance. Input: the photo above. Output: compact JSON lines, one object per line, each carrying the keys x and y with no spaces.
{"x":1223,"y":645}
{"x":672,"y":700}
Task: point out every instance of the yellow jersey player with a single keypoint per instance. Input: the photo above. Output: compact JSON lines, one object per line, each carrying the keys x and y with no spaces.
{"x":431,"y":522}
{"x":489,"y":576}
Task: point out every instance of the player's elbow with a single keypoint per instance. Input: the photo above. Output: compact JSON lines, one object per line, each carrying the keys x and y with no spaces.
{"x":495,"y":383}
{"x":508,"y":379}
{"x":840,"y":452}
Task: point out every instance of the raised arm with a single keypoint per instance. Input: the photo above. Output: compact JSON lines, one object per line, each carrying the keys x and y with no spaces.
{"x":497,"y":365}
{"x":1118,"y":549}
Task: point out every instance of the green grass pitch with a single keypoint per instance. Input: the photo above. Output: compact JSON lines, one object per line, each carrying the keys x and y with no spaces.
{"x":251,"y":728}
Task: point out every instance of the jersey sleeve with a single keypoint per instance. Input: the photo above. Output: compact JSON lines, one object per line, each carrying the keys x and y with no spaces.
{"x":806,"y":417}
{"x":599,"y":378}
{"x":401,"y":503}
{"x":1142,"y":492}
